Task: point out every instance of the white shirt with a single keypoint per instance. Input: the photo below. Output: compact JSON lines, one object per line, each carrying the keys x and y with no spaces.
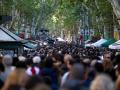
{"x":29,"y":72}
{"x":64,"y":78}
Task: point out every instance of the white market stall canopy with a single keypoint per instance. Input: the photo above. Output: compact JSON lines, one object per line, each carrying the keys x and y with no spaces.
{"x":99,"y":43}
{"x":116,"y":45}
{"x":6,"y":35}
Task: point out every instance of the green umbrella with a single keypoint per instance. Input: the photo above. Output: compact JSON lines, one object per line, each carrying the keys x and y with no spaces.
{"x":109,"y":42}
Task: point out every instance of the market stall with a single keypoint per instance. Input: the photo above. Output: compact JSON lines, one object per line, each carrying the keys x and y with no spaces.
{"x":109,"y":42}
{"x":11,"y":42}
{"x":115,"y":45}
{"x":99,"y":43}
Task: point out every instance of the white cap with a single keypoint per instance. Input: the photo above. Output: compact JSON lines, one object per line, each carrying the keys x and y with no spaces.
{"x":36,"y":59}
{"x":21,"y":58}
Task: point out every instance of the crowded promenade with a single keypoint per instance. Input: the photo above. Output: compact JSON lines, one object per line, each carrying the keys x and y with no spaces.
{"x":59,"y":44}
{"x":61,"y":67}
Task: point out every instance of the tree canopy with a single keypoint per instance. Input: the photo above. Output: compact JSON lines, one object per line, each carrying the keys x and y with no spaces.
{"x":56,"y":15}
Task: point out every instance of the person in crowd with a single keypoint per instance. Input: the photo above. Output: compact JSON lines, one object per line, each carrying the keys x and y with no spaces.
{"x":117,"y":85}
{"x":102,"y":82}
{"x":16,"y":87}
{"x":117,"y":70}
{"x":116,"y":59}
{"x":69,"y":62}
{"x":34,"y":69}
{"x":98,"y":66}
{"x":58,"y":65}
{"x":51,"y":72}
{"x":93,"y":62}
{"x":7,"y":62}
{"x":58,"y":60}
{"x":17,"y":76}
{"x":108,"y":65}
{"x":87,"y":61}
{"x":67,"y":57}
{"x":71,"y":85}
{"x":38,"y":83}
{"x":107,"y":61}
{"x":79,"y":72}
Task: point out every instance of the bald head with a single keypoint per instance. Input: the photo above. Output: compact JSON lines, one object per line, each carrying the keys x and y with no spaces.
{"x":7,"y":60}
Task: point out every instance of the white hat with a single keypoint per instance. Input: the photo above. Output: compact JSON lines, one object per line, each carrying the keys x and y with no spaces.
{"x":36,"y":59}
{"x":21,"y":58}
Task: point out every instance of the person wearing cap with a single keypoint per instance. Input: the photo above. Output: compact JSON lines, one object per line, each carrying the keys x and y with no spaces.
{"x":34,"y":68}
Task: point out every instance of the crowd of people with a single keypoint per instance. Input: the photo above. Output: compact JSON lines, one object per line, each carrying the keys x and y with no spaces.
{"x":61,"y":67}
